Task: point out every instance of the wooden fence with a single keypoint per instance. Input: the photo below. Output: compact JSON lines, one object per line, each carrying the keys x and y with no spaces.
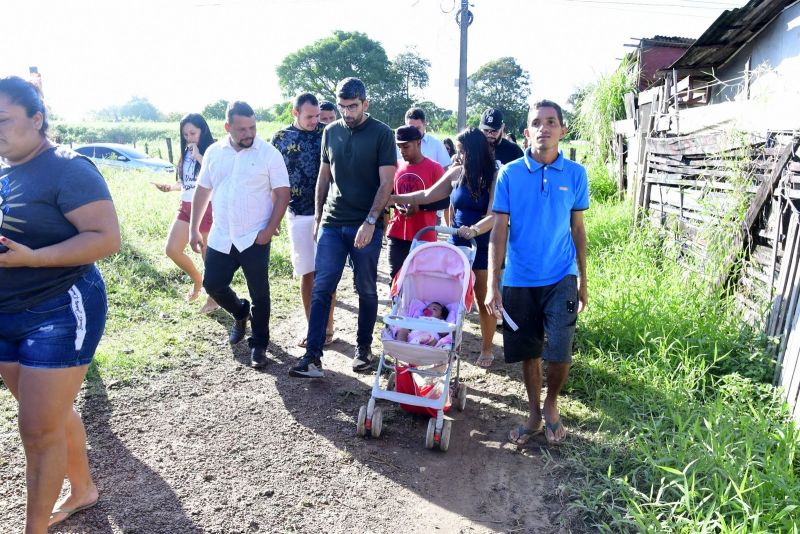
{"x":748,"y":189}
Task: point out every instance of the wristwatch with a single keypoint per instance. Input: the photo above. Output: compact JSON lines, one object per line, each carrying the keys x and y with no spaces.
{"x":371,"y":219}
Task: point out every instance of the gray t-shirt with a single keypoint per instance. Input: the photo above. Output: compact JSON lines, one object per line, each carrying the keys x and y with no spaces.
{"x":34,"y":197}
{"x":355,"y":156}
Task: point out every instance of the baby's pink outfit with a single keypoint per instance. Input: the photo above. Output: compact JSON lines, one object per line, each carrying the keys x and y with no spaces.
{"x":416,"y":309}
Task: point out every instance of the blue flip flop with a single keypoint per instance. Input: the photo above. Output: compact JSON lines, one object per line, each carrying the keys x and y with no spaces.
{"x":553,"y":427}
{"x":524,"y":434}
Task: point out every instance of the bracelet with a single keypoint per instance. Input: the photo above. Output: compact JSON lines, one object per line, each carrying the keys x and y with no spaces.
{"x":475,"y":229}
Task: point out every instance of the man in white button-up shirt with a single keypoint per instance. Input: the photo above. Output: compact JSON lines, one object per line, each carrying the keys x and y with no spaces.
{"x":247,"y":180}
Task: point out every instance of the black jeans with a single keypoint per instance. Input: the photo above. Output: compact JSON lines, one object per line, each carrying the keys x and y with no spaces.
{"x":254,"y":262}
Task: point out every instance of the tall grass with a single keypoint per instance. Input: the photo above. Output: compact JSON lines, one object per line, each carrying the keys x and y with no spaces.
{"x":602,"y":104}
{"x":682,"y":432}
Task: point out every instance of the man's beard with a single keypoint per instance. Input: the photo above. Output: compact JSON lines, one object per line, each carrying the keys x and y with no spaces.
{"x":244,"y":144}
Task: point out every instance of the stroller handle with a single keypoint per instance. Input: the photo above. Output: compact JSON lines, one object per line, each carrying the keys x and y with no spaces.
{"x":443,"y":230}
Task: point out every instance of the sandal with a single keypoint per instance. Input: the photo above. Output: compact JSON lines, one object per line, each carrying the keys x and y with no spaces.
{"x":553,"y":428}
{"x":69,"y":512}
{"x":328,"y":340}
{"x":524,"y":434}
{"x":484,"y":360}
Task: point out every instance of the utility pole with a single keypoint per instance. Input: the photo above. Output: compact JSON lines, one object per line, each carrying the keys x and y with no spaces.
{"x":464,"y":19}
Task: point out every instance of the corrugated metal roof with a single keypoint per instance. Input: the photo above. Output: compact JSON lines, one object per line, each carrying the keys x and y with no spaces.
{"x":664,"y":40}
{"x":732,"y":30}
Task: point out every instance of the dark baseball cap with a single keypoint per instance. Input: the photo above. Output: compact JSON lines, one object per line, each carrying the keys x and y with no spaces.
{"x":492,"y":119}
{"x":404,"y":134}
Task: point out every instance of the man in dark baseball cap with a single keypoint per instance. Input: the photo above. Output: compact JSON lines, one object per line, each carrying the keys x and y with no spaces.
{"x":492,"y":126}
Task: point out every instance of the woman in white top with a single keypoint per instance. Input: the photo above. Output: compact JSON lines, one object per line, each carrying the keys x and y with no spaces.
{"x":195,"y":139}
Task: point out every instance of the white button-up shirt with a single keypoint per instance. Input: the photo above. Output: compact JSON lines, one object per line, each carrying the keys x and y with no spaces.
{"x":241,"y":186}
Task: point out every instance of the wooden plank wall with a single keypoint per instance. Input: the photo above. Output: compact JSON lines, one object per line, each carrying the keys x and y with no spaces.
{"x":691,"y":182}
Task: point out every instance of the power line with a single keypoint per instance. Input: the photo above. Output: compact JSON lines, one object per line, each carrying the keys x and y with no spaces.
{"x":643,"y":4}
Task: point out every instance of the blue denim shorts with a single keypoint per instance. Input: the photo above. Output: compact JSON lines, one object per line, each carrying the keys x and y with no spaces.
{"x":60,"y":332}
{"x":546,"y":317}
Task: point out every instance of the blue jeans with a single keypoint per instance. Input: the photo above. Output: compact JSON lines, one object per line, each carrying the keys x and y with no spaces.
{"x":334,"y":244}
{"x":60,"y":332}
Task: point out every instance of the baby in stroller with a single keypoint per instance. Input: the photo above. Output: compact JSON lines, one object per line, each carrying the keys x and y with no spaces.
{"x":416,"y":309}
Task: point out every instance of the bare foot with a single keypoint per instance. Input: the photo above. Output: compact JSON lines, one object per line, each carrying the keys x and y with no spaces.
{"x":192,"y":295}
{"x":210,"y":306}
{"x":72,"y":504}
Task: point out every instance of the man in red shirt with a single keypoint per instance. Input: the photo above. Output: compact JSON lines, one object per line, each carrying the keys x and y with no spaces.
{"x":415,"y":174}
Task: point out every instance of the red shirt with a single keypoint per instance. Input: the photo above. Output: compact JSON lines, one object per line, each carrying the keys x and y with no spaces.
{"x":407,"y":179}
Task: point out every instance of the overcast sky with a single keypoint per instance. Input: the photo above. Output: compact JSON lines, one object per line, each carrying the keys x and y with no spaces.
{"x":184,"y":54}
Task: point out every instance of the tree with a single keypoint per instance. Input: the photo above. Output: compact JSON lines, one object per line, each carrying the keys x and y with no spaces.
{"x":501,"y":84}
{"x":436,"y":118}
{"x":413,"y":69}
{"x":216,"y":110}
{"x":137,"y":108}
{"x":318,"y":67}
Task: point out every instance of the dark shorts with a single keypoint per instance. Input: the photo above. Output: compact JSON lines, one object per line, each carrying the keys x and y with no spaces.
{"x":185,"y":214}
{"x":60,"y":332}
{"x":539,"y":312}
{"x":398,"y":252}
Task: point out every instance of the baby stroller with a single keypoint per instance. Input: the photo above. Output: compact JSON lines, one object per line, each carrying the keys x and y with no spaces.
{"x":433,"y":271}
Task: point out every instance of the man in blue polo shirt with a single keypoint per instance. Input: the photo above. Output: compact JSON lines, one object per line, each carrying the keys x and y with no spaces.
{"x":542,"y":196}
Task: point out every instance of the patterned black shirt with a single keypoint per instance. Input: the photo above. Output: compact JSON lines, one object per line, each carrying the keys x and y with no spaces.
{"x":301,"y":153}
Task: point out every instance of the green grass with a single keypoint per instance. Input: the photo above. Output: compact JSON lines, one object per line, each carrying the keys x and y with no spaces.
{"x":679,"y":430}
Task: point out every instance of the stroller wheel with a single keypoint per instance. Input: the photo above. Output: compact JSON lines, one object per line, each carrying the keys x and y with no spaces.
{"x":377,"y":422}
{"x":360,"y":422}
{"x":444,"y":442}
{"x":429,"y":435}
{"x":392,"y":381}
{"x":461,"y":396}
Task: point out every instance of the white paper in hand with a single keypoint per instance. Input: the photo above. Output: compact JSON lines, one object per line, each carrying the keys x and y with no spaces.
{"x":509,"y":321}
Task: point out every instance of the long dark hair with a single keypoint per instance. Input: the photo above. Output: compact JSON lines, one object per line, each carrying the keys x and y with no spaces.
{"x":205,"y":141}
{"x":478,"y":166}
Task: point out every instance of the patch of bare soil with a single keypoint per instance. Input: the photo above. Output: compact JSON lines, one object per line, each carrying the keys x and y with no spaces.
{"x":217,"y":447}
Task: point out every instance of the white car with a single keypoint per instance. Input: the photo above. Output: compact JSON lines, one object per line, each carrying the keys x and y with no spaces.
{"x":123,"y":156}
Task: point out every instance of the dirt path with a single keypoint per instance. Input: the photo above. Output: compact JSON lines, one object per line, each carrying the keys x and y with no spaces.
{"x":217,"y":447}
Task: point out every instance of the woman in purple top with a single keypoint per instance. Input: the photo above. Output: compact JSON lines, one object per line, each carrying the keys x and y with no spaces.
{"x":470,"y":186}
{"x":56,"y":219}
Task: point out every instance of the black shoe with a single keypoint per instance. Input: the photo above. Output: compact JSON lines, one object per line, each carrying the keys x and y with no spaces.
{"x":307,"y":367}
{"x":362,"y":361}
{"x":239,"y":328}
{"x":258,"y":357}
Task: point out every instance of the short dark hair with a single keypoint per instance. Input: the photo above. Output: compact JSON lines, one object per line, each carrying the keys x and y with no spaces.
{"x":303,"y":98}
{"x":240,"y":108}
{"x":351,"y":88}
{"x":415,"y":113}
{"x":545,"y":104}
{"x":327,"y":106}
{"x":25,"y":94}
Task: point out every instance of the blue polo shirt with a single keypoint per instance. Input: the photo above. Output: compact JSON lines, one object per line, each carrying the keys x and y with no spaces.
{"x":539,"y":200}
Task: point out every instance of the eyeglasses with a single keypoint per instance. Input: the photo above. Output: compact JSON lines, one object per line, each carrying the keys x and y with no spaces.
{"x":352,"y":108}
{"x":489,"y":131}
